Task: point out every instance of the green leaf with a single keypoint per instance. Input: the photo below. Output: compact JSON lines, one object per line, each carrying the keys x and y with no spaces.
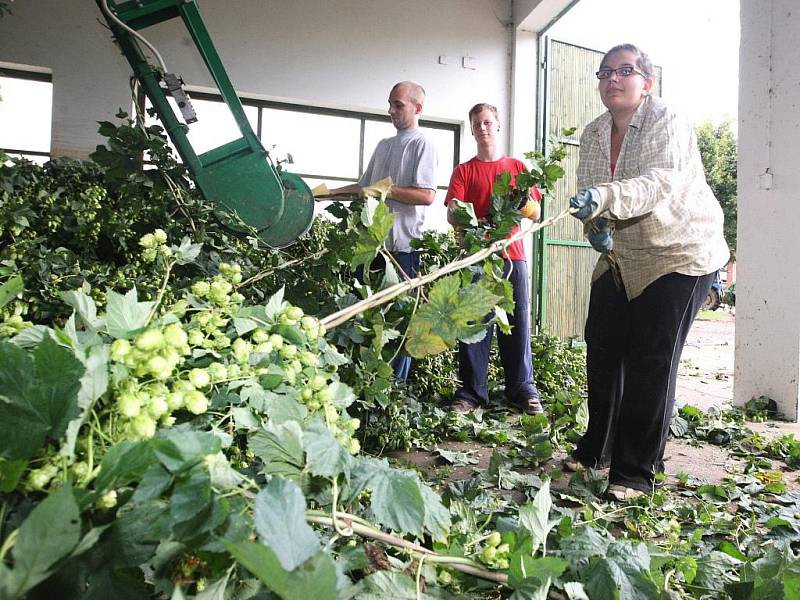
{"x":523,"y":566}
{"x":280,"y":520}
{"x":180,"y":448}
{"x":124,"y":462}
{"x":553,"y":172}
{"x":107,"y":129}
{"x":585,"y":543}
{"x":244,"y":419}
{"x":716,"y":569}
{"x":89,"y":540}
{"x":84,"y":307}
{"x":343,"y":395}
{"x":280,"y":447}
{"x":94,"y":384}
{"x":324,"y":453}
{"x":452,"y":313}
{"x":262,"y":562}
{"x":38,"y":396}
{"x":421,"y":340}
{"x":274,"y":305}
{"x":464,"y":214}
{"x":49,"y":534}
{"x":10,"y":473}
{"x":377,"y":217}
{"x":125,"y":315}
{"x":368,"y":211}
{"x":387,"y":584}
{"x":622,"y":575}
{"x":575,"y":590}
{"x":215,"y":590}
{"x":32,"y":336}
{"x":291,"y":333}
{"x":437,"y":517}
{"x":223,"y":476}
{"x":397,"y":500}
{"x":283,"y":409}
{"x":155,"y":481}
{"x":535,"y":516}
{"x":315,"y":579}
{"x":364,"y":251}
{"x":12,"y":288}
{"x":186,"y":252}
{"x":532,"y":588}
{"x":382,"y":220}
{"x":137,"y":531}
{"x":121,"y":584}
{"x":191,"y":494}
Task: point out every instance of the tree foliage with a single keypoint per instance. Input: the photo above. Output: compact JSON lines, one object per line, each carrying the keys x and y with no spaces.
{"x":718,"y":149}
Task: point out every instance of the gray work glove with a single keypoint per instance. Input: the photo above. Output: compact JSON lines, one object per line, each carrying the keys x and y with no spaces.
{"x":586,"y":203}
{"x":601,"y":235}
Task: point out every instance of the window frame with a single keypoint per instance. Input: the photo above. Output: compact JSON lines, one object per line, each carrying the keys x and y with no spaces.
{"x":42,"y":77}
{"x":363,"y":117}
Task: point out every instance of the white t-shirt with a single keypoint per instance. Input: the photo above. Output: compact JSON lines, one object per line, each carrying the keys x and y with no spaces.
{"x":409,"y":158}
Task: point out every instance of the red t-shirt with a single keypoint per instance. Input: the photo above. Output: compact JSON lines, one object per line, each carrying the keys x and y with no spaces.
{"x":473,"y":181}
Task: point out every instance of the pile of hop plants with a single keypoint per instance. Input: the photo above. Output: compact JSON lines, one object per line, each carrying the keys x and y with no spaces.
{"x":181,"y":420}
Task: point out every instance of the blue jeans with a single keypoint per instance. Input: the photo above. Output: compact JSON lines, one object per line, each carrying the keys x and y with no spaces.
{"x":515,"y":349}
{"x":409,"y":262}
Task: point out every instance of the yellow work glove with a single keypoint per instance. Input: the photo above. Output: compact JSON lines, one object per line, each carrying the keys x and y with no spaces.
{"x":320,"y":190}
{"x":531,"y":210}
{"x":379,"y":189}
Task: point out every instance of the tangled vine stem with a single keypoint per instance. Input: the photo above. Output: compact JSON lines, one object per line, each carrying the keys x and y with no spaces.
{"x":458,"y":563}
{"x":385,"y":295}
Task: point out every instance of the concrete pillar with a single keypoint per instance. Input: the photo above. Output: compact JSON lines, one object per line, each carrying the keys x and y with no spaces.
{"x":767,"y":357}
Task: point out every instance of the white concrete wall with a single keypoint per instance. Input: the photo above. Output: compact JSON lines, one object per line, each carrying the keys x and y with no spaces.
{"x":343,"y":53}
{"x":767,"y":359}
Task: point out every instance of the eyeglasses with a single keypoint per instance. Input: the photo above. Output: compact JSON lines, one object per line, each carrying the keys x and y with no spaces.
{"x":621,"y":71}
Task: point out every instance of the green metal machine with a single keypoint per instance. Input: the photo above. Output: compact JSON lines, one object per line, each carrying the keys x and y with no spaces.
{"x":238,"y":175}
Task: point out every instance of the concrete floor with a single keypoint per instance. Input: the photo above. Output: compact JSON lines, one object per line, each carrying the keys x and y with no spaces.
{"x":705,"y":377}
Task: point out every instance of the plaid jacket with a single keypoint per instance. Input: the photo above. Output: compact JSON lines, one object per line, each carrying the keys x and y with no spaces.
{"x":666,"y":218}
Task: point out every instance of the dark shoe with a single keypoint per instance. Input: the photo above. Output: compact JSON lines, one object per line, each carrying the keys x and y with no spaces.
{"x":463,"y":406}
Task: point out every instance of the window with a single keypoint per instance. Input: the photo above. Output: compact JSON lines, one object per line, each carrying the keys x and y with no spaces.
{"x":26,"y":109}
{"x":328,"y":146}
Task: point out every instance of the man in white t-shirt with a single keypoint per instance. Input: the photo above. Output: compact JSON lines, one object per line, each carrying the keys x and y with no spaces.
{"x":409,"y":158}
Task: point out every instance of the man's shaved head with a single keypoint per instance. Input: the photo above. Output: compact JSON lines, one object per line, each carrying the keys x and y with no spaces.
{"x":416,"y":92}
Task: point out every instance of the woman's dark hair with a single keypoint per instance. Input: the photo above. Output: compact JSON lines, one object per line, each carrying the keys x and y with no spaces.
{"x":642,"y":60}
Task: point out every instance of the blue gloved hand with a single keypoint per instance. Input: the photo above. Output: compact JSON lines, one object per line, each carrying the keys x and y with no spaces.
{"x":586,"y":203}
{"x":601,"y":235}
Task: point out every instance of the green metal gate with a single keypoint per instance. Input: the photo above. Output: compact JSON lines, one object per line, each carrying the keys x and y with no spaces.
{"x":563,"y":260}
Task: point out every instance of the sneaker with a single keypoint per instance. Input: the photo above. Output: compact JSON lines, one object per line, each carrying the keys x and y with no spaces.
{"x":463,"y":406}
{"x":573,"y":465}
{"x":620,"y":493}
{"x":531,"y":405}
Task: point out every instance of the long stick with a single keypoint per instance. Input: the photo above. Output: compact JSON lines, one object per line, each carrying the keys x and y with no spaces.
{"x":385,"y":295}
{"x":454,"y":562}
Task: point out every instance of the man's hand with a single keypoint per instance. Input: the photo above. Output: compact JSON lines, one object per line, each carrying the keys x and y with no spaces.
{"x":586,"y":203}
{"x":601,"y":235}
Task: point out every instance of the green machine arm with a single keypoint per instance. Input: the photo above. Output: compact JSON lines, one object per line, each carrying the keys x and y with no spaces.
{"x":238,"y":175}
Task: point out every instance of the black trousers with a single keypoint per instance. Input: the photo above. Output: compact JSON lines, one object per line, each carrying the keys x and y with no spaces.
{"x":633,"y":351}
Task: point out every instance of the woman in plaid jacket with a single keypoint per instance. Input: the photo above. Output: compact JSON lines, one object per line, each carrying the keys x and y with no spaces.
{"x":648,"y":210}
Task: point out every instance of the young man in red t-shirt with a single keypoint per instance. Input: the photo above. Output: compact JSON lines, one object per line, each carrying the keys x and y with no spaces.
{"x":472,"y":182}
